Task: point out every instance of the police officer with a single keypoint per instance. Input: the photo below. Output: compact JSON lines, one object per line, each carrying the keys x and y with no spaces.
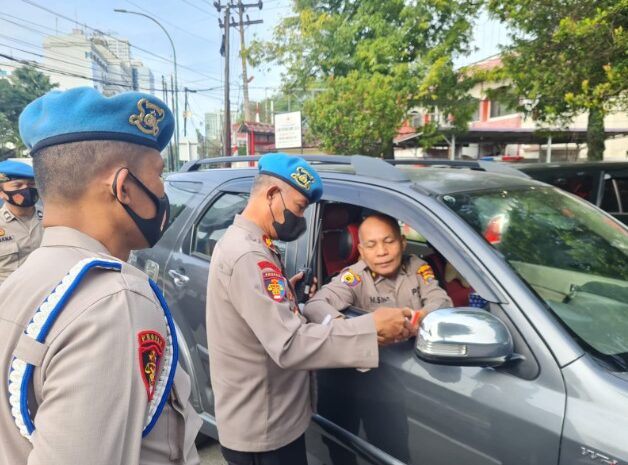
{"x":260,"y":345}
{"x":89,"y":350}
{"x":20,"y":218}
{"x":383,"y":277}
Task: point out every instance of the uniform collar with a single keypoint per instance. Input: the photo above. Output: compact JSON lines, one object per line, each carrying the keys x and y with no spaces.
{"x":56,"y":236}
{"x":246,"y":224}
{"x":6,"y":214}
{"x":253,"y":229}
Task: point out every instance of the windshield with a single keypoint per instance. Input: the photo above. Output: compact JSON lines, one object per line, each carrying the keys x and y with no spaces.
{"x":571,"y":254}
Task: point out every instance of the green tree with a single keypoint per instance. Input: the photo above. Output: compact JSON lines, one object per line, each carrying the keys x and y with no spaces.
{"x":373,"y":60}
{"x":23,"y":86}
{"x":567,"y":57}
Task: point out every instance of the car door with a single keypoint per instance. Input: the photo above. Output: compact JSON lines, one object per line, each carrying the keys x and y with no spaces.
{"x":414,"y":412}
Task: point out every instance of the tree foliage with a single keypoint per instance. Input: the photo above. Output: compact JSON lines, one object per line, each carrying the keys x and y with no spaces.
{"x":368,"y":62}
{"x":567,"y":57}
{"x":23,"y":86}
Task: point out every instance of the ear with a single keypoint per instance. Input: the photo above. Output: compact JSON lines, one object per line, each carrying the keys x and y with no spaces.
{"x":271,"y":191}
{"x":119,"y":182}
{"x":404,"y":243}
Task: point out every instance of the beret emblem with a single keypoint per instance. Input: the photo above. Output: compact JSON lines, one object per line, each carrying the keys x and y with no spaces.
{"x":303,"y":178}
{"x":148,"y":118}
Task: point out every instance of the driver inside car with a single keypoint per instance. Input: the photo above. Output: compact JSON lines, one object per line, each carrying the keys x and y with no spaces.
{"x":384,"y":277}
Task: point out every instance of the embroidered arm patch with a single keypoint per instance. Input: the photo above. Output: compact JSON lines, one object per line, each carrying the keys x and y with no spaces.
{"x":350,"y":279}
{"x":151,"y":349}
{"x":275,"y":285}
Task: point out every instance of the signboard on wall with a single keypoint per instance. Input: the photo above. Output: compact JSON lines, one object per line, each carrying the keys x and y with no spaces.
{"x":288,"y":130}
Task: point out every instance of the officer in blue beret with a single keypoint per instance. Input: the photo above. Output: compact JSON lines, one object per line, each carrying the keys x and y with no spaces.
{"x":20,"y":217}
{"x":89,"y":350}
{"x":261,"y":346}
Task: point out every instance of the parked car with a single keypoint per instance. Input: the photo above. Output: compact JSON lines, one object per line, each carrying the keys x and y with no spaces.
{"x":604,"y":184}
{"x":540,"y":376}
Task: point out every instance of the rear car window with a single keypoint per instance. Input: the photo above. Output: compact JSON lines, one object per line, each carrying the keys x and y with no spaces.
{"x":580,"y":184}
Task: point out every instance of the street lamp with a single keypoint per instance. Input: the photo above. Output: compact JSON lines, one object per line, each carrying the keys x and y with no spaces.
{"x":176,"y":82}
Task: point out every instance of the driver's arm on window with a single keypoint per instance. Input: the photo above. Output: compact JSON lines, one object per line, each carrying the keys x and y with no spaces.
{"x":328,"y":302}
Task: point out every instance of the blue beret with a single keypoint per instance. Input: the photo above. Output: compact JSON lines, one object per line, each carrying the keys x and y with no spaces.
{"x":295,"y":171}
{"x":15,"y":170}
{"x":83,"y":113}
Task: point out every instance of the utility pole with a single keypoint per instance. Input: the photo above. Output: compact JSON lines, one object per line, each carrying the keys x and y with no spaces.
{"x":186,"y":111}
{"x":226,"y":24}
{"x":245,"y":78}
{"x":164,"y":86}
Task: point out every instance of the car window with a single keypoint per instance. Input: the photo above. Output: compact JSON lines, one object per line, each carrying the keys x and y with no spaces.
{"x":179,"y":195}
{"x":609,"y":200}
{"x":572,"y":255}
{"x":215,"y":221}
{"x":581,"y":184}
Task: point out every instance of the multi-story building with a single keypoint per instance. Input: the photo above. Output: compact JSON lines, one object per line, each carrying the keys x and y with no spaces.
{"x":213,"y":125}
{"x":101,"y":61}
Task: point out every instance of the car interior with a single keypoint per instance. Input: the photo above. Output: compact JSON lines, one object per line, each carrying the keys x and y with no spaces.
{"x":339,"y":249}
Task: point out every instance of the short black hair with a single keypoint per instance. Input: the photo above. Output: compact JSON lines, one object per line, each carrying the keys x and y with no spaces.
{"x":64,"y":172}
{"x":384,"y":218}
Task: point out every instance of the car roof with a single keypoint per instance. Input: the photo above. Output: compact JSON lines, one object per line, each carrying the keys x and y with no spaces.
{"x":566,"y":165}
{"x":431,"y":180}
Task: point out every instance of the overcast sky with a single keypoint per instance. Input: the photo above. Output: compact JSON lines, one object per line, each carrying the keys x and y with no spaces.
{"x":193,"y":25}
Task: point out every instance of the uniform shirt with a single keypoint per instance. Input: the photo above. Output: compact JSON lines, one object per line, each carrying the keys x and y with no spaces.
{"x":18,"y":238}
{"x":414,"y":286}
{"x":261,"y":347}
{"x":88,"y":388}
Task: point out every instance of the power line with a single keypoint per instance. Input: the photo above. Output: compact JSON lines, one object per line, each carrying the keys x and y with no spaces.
{"x":209,"y":13}
{"x":204,"y":39}
{"x":53,"y":70}
{"x":45,"y":34}
{"x":55,"y":13}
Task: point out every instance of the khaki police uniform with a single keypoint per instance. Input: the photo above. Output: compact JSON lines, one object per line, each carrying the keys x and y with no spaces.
{"x":415,"y":286}
{"x":89,"y":393}
{"x":19,"y":236}
{"x":261,"y":347}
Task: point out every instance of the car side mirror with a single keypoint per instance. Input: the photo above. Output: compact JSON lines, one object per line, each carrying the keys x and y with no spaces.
{"x":464,"y":336}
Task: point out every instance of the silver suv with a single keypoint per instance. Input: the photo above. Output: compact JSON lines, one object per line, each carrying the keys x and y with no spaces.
{"x":539,"y":375}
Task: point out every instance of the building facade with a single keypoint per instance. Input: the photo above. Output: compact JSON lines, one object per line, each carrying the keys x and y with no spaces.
{"x":97,"y":60}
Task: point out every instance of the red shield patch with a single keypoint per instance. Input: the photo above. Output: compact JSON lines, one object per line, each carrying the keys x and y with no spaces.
{"x":275,"y":285}
{"x":151,"y":349}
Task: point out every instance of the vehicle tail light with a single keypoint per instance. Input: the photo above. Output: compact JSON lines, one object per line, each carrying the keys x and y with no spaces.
{"x":495,"y":229}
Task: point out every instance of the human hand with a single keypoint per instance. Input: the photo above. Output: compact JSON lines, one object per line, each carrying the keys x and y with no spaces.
{"x":392,"y":324}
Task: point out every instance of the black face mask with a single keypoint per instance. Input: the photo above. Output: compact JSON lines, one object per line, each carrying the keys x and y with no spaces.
{"x":153,"y":228}
{"x":26,"y":197}
{"x":292,"y":227}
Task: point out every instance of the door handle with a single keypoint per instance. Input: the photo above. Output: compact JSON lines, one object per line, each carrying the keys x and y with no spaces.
{"x":179,"y":279}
